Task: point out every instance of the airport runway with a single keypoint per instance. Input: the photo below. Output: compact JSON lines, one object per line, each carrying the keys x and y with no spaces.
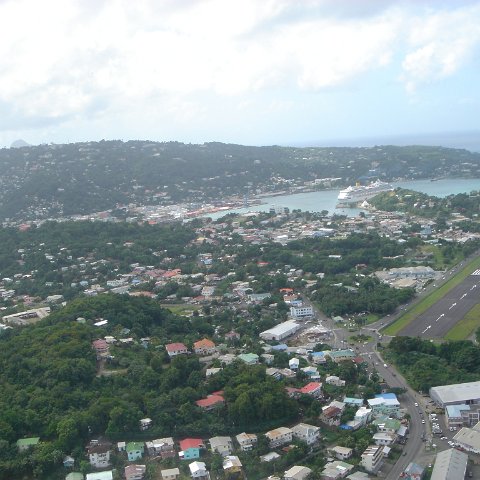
{"x":443,"y":315}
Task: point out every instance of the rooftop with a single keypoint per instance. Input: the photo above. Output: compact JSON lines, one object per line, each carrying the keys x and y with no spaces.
{"x":458,"y":393}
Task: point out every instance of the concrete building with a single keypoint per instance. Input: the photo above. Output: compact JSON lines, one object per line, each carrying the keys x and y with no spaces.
{"x":336,"y":470}
{"x":309,"y":434}
{"x":297,"y":472}
{"x":450,"y":465}
{"x":281,"y":331}
{"x":342,"y":453}
{"x":221,"y":445}
{"x":469,"y":438}
{"x":372,"y":458}
{"x":301,"y":311}
{"x":460,"y":393}
{"x":279,"y":436}
{"x":247,"y":441}
{"x":170,"y":474}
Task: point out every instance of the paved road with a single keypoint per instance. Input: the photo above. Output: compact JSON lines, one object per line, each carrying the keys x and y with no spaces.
{"x":449,"y":310}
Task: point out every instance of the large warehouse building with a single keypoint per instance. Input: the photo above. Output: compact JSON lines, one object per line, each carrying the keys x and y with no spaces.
{"x":281,"y":331}
{"x":460,"y":393}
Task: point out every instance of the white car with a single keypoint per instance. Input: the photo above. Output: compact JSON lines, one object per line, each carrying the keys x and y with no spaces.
{"x":423,"y":421}
{"x":416,"y":404}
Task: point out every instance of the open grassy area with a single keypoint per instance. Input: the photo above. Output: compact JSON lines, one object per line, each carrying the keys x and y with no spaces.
{"x":465,"y":327}
{"x":431,"y":299}
{"x":181,"y":309}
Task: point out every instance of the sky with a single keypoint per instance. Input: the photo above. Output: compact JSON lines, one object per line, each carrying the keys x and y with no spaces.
{"x":256,"y":72}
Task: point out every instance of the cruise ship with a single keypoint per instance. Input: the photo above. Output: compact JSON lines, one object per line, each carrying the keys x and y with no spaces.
{"x":359,"y":193}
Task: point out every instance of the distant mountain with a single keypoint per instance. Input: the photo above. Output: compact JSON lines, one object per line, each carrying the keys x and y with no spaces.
{"x":49,"y":181}
{"x":468,"y":140}
{"x":20,"y":143}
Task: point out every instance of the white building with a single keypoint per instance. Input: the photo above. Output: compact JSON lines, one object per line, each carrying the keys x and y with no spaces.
{"x":456,"y":394}
{"x":281,"y":331}
{"x":450,"y":465}
{"x":309,"y":434}
{"x":372,"y":458}
{"x":221,"y":445}
{"x":247,"y":441}
{"x":198,"y":470}
{"x":279,"y":436}
{"x":301,"y":312}
{"x":297,"y":472}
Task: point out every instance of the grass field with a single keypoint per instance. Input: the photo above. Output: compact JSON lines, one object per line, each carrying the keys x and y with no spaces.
{"x":465,"y":327}
{"x":181,"y":309}
{"x":431,"y":299}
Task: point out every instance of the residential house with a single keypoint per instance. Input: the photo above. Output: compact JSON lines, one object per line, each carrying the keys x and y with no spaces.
{"x":68,"y":462}
{"x":170,"y":474}
{"x":190,"y":448}
{"x":297,"y":472}
{"x":384,"y":438}
{"x":105,"y":475}
{"x":311,"y":372}
{"x":135,"y":450}
{"x":232,"y":336}
{"x":354,"y":402}
{"x":319,"y":357}
{"x":135,"y":472}
{"x":362,"y":416}
{"x":294,"y":363}
{"x":341,"y":355}
{"x":247,"y":441}
{"x":372,"y":458}
{"x":221,"y":445}
{"x":204,"y":347}
{"x":99,"y":454}
{"x":342,"y":453}
{"x":268,"y":358}
{"x":309,"y":434}
{"x":331,"y":416}
{"x":334,"y":380}
{"x":174,"y":349}
{"x":198,"y":470}
{"x":212,"y":402}
{"x":335,"y":470}
{"x":232,"y":467}
{"x":212,"y":371}
{"x":145,"y":423}
{"x":248,"y":358}
{"x":413,"y":472}
{"x":385,"y":404}
{"x":24,"y":444}
{"x":75,"y":476}
{"x":269,"y":457}
{"x":313,"y":389}
{"x":279,"y":436}
{"x":388,"y":425}
{"x":165,"y":447}
{"x":101,"y":348}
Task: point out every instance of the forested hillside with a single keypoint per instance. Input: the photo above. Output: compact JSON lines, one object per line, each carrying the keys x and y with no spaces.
{"x":51,"y":180}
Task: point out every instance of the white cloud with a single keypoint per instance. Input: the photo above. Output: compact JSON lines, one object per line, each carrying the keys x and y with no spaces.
{"x":440,"y":44}
{"x":64,"y":58}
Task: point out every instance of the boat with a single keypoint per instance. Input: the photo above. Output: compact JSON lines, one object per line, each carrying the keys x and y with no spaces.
{"x":352,"y":195}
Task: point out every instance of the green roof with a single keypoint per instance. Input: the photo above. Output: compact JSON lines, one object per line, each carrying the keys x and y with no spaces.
{"x":27,"y":442}
{"x":248,"y":357}
{"x":134,"y":446}
{"x":75,"y":476}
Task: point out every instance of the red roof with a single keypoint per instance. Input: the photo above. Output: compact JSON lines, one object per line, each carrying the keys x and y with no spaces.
{"x":204,"y":343}
{"x":311,"y":387}
{"x":191,"y":443}
{"x":210,"y":401}
{"x":174,"y":347}
{"x":330,"y":412}
{"x":99,"y":344}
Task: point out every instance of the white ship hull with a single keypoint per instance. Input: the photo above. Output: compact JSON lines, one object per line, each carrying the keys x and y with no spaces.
{"x":354,"y":195}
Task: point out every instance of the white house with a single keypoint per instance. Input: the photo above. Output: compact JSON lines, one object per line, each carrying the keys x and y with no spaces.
{"x":279,"y":436}
{"x":198,"y":470}
{"x":247,"y":441}
{"x":309,"y":434}
{"x":221,"y":445}
{"x":99,"y":455}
